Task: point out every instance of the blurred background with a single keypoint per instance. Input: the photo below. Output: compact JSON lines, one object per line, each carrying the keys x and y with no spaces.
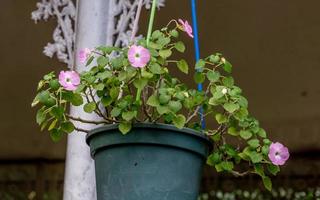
{"x":274,"y":47}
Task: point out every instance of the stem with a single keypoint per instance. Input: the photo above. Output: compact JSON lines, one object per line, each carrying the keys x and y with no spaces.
{"x":85,"y":121}
{"x":153,"y":9}
{"x":138,"y":94}
{"x":173,"y":20}
{"x":144,"y":106}
{"x":193,"y":115}
{"x":81,"y":130}
{"x":97,"y":105}
{"x":237,"y":174}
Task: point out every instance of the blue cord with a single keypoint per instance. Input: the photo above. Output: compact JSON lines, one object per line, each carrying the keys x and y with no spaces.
{"x":197,"y":50}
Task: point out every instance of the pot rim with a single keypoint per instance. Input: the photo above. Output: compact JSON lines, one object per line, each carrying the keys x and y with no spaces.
{"x":162,"y":126}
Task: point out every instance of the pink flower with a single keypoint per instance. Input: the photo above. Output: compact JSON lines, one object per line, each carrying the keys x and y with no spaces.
{"x":138,"y":56}
{"x":84,"y":55}
{"x":186,"y":27}
{"x":278,"y":154}
{"x":69,"y":80}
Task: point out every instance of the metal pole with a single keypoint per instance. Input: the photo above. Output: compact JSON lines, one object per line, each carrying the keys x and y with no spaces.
{"x":197,"y":50}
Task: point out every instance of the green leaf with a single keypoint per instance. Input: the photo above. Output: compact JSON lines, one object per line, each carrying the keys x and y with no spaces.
{"x":175,"y":106}
{"x":104,"y":75}
{"x":89,"y":61}
{"x":265,"y":150}
{"x":67,"y":127}
{"x":243,"y":102}
{"x":227,"y":67}
{"x":200,"y":64}
{"x":213,"y":76}
{"x":228,"y":81}
{"x":218,"y":167}
{"x":217,"y":93}
{"x":76,"y":99}
{"x":230,"y":150}
{"x":54,"y":84}
{"x":156,"y":34}
{"x":154,"y":45}
{"x":162,"y":110}
{"x":199,"y":77}
{"x":254,"y":143}
{"x":165,"y":53}
{"x":117,"y":62}
{"x":262,"y":133}
{"x":174,"y":33}
{"x":49,"y":76}
{"x":115,"y":112}
{"x":258,"y":168}
{"x":183,"y":66}
{"x":235,"y":91}
{"x":140,"y":83}
{"x":114,"y":92}
{"x":244,"y":156}
{"x":163,"y":41}
{"x":99,"y":86}
{"x":35,"y":101}
{"x":41,"y":84}
{"x":80,"y":88}
{"x":156,"y":68}
{"x":125,"y":127}
{"x":57,"y":112}
{"x":241,"y":114}
{"x":216,"y":137}
{"x":266,"y":141}
{"x":108,"y":49}
{"x":106,"y":101}
{"x":41,"y":116}
{"x":227,"y":165}
{"x":46,"y":99}
{"x":213,"y":101}
{"x":102,"y":61}
{"x":267,"y":183}
{"x":56,"y":134}
{"x":146,"y":74}
{"x":273,"y":169}
{"x":44,"y":125}
{"x":214,"y":58}
{"x":180,"y":46}
{"x":129,"y":115}
{"x":231,"y":107}
{"x":233,"y":131}
{"x":221,"y":118}
{"x":213,"y":159}
{"x":153,"y":101}
{"x":89,"y":107}
{"x":164,"y":98}
{"x":245,"y":134}
{"x":179,"y":121}
{"x":53,"y":124}
{"x":255,"y":157}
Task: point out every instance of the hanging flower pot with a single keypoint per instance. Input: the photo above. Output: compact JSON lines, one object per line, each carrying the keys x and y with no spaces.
{"x":151,"y":145}
{"x":154,"y":161}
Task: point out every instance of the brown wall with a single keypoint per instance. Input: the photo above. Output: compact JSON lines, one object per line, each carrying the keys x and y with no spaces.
{"x":273,"y":45}
{"x":22,"y":66}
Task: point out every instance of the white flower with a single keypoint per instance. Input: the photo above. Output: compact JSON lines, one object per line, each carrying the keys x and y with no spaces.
{"x":224,"y":91}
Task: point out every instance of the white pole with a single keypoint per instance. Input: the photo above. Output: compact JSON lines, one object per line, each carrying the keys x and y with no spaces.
{"x":91,"y":31}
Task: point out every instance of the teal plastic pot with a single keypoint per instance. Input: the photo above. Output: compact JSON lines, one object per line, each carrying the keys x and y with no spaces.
{"x":151,"y":162}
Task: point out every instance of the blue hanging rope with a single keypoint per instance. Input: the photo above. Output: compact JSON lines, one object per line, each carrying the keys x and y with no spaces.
{"x":197,"y":50}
